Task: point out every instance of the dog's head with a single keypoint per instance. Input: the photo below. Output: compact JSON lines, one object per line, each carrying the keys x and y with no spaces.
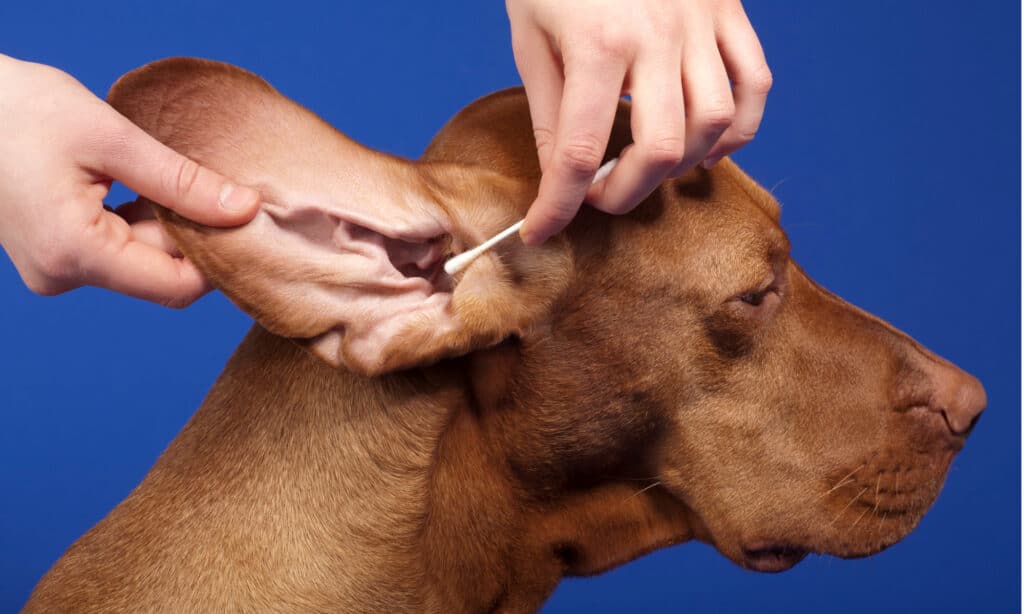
{"x":680,"y":343}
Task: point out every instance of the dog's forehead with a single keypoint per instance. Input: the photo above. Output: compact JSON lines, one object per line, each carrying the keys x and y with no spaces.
{"x":721,"y":210}
{"x":701,"y":238}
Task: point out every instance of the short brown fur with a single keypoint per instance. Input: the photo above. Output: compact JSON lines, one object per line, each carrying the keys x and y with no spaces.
{"x":605,"y":396}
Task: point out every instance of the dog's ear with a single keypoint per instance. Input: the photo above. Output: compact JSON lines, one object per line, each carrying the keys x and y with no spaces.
{"x":346,"y":262}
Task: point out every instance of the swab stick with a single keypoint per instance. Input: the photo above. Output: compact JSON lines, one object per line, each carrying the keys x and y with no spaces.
{"x":457,"y":264}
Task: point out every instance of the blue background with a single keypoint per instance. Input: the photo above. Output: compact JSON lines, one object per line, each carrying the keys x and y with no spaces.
{"x":892,"y":140}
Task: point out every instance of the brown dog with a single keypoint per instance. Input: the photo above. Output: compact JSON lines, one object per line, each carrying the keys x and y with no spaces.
{"x":638,"y":382}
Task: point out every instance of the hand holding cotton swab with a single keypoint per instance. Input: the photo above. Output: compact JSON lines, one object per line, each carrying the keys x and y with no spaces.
{"x":458,"y":263}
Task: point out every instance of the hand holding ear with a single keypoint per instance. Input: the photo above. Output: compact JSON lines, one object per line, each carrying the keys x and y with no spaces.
{"x":61,"y":149}
{"x":675,"y":59}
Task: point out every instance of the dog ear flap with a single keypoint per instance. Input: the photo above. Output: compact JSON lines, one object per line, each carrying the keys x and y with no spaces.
{"x":346,"y":253}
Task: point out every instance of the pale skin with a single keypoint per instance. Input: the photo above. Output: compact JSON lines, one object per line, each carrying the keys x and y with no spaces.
{"x":62,"y":147}
{"x":674,"y":58}
{"x":694,"y":70}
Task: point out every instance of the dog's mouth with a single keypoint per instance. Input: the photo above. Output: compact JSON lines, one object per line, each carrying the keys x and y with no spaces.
{"x":772,"y":558}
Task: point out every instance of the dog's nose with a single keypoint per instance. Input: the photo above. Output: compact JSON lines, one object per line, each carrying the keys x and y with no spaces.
{"x":959,"y":396}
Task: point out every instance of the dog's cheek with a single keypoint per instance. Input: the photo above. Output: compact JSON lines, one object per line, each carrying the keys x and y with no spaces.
{"x":731,"y":337}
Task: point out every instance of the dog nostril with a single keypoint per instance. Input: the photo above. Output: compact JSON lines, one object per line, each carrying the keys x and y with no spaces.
{"x":962,"y":402}
{"x":956,"y":427}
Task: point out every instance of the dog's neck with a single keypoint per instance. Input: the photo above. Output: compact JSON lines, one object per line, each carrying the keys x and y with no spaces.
{"x":412,"y":483}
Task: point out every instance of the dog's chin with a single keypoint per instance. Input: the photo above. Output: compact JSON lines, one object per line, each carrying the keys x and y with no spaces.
{"x":771,"y":557}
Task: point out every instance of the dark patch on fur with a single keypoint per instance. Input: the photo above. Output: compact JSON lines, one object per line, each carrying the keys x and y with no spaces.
{"x":729,"y":337}
{"x":695,"y":185}
{"x":568,"y":554}
{"x":610,"y":435}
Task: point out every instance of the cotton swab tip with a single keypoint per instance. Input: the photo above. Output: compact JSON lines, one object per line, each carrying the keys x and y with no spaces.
{"x":456,"y":264}
{"x":463,"y":260}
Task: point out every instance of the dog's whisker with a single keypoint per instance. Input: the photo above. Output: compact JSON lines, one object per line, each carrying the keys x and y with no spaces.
{"x":843,"y":480}
{"x":641,"y":491}
{"x":777,"y":184}
{"x":878,"y":486}
{"x":843,"y":511}
{"x":850,"y":475}
{"x":837,"y":487}
{"x":862,"y":514}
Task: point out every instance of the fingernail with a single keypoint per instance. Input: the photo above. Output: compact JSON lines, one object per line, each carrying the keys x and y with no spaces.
{"x":708,"y":163}
{"x":236,"y":198}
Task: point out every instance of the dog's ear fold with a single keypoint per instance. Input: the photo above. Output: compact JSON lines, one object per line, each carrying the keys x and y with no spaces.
{"x":347,"y":262}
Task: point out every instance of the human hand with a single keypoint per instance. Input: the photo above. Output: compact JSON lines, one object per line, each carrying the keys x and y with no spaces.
{"x":61,"y":149}
{"x":674,"y":58}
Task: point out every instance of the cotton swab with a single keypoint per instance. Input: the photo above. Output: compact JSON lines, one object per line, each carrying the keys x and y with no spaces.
{"x":456,"y":264}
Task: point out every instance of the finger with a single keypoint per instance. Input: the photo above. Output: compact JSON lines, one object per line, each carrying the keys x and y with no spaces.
{"x":145,"y":227}
{"x":589,"y":102}
{"x":157,"y":172}
{"x":709,"y":100}
{"x":151,"y":232}
{"x":542,"y":78}
{"x":659,"y":132}
{"x":751,"y":78}
{"x":118,"y":262}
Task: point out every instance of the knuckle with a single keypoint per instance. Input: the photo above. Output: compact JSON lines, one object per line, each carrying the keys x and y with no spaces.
{"x":53,"y":272}
{"x":42,"y":286}
{"x":582,"y":155}
{"x":716,"y":116}
{"x":186,"y":174}
{"x":544,"y":137}
{"x":56,"y":266}
{"x":602,"y":39}
{"x":613,"y":40}
{"x":744,"y":136}
{"x":761,"y":80}
{"x":664,"y":151}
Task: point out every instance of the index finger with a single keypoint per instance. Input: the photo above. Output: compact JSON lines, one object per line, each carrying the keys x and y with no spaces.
{"x":123,"y":264}
{"x":585,"y":120}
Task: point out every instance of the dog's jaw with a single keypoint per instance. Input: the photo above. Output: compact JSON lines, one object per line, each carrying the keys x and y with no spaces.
{"x":496,"y":539}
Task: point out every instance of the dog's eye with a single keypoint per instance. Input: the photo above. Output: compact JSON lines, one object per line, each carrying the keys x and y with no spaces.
{"x":759,"y":299}
{"x":754,"y":298}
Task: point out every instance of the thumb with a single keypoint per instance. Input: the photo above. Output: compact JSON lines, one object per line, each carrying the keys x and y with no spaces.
{"x":168,"y":178}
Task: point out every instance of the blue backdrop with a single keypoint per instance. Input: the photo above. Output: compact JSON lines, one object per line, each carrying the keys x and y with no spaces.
{"x":892,"y":137}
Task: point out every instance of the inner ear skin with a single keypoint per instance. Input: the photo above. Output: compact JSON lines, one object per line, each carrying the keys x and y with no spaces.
{"x":345,"y":255}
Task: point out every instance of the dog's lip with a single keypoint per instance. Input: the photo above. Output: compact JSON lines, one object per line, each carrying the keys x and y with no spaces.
{"x":772,"y":557}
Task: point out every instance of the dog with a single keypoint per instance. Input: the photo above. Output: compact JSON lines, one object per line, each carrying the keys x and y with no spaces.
{"x":637,"y":382}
